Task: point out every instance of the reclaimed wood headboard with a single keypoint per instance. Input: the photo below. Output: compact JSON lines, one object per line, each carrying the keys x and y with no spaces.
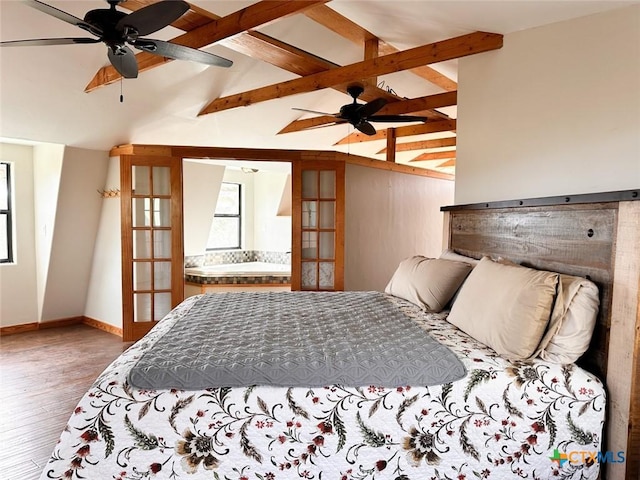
{"x":595,"y":236}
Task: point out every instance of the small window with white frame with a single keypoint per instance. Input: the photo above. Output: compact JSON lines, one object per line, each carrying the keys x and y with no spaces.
{"x":6,"y":214}
{"x":226,"y":228}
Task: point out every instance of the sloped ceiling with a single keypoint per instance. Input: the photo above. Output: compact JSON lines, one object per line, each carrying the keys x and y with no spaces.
{"x":42,"y":89}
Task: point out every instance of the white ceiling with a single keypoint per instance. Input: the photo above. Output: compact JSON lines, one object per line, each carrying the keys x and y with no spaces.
{"x":42,"y":88}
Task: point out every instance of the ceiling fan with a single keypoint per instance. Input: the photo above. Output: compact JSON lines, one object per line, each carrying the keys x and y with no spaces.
{"x":360,"y":115}
{"x":117,"y":29}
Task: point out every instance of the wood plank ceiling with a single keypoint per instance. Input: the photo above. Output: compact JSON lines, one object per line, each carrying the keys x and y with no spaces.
{"x":237,"y":32}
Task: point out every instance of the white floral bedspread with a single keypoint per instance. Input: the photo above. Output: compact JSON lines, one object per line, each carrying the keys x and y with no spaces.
{"x":502,"y":421}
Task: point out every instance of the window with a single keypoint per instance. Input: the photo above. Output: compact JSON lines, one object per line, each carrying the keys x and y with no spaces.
{"x":227,"y":221}
{"x":6,"y":235}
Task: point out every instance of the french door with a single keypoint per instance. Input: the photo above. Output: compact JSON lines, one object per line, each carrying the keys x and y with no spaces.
{"x":317,"y":261}
{"x":152,"y":243}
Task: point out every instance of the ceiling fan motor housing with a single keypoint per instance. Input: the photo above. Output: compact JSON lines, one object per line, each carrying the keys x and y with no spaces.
{"x":106,"y":20}
{"x":355,"y":90}
{"x":350,"y":113}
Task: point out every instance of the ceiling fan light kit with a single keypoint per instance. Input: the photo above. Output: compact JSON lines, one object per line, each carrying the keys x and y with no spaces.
{"x":117,"y":30}
{"x":360,"y":115}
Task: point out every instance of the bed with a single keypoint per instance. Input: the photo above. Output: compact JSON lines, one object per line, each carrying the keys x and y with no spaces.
{"x":502,"y":419}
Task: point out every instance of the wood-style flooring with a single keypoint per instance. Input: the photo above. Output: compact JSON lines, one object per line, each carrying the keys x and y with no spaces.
{"x":43,"y":375}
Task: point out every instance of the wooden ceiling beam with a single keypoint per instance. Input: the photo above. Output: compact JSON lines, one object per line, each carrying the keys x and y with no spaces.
{"x":263,"y":47}
{"x":428,"y":102}
{"x":436,"y":52}
{"x":344,"y":27}
{"x":194,"y":18}
{"x":435,"y":156}
{"x":423,"y":145}
{"x":371,"y":50}
{"x":448,"y":163}
{"x":260,"y":13}
{"x":283,"y":55}
{"x":391,"y":145}
{"x":414,"y":105}
{"x":339,"y":24}
{"x":406,"y":131}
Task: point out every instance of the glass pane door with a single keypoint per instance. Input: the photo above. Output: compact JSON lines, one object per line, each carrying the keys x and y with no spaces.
{"x":318,"y":226}
{"x":152,"y":240}
{"x":151,"y":209}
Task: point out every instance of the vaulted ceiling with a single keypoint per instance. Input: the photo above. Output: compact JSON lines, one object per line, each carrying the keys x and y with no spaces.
{"x":286,"y":54}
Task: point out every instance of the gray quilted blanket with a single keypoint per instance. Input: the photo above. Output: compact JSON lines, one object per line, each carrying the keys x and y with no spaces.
{"x":294,"y":339}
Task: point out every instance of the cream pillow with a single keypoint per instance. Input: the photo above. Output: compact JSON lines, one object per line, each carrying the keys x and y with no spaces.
{"x":572,"y":320}
{"x":506,"y":307}
{"x":456,"y":257}
{"x":427,"y":282}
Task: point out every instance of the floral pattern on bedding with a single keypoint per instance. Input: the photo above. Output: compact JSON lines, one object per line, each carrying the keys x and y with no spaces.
{"x":504,"y":420}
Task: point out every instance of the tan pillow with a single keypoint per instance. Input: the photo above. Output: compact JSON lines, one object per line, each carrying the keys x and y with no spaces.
{"x":456,"y":257}
{"x":572,"y":320}
{"x":506,"y":307}
{"x":427,"y":282}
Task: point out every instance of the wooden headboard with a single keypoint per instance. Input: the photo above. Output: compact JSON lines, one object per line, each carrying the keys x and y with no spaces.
{"x":594,"y":236}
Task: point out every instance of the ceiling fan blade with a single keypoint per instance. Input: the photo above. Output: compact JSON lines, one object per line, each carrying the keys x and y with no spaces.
{"x":124,"y":62}
{"x":366,"y":128}
{"x":179,"y":52}
{"x":47,"y":41}
{"x":153,"y":17}
{"x":372,"y":107}
{"x":325,"y":125}
{"x":314,"y":111}
{"x":396,"y":118}
{"x":64,"y":16}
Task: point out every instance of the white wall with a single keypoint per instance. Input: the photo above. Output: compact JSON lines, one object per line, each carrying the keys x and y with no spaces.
{"x":262,"y":191}
{"x":56,"y":212}
{"x":74,"y":237}
{"x":272,"y":233}
{"x":18,"y":283}
{"x":47,"y":161}
{"x":201,"y":186}
{"x":556,"y":111}
{"x":390,"y":216}
{"x":104,"y":292}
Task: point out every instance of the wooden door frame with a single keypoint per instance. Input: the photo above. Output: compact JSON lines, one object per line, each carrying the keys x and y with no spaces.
{"x":132,"y":331}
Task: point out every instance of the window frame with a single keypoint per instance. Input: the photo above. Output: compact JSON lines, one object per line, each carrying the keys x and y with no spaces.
{"x":230,"y":215}
{"x":9,"y":214}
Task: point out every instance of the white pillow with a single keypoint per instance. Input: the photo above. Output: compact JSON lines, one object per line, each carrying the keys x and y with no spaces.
{"x":427,"y":282}
{"x":572,"y":320}
{"x":506,"y":307}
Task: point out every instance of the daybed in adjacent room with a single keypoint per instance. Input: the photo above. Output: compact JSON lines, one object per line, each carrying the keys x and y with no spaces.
{"x":461,"y":408}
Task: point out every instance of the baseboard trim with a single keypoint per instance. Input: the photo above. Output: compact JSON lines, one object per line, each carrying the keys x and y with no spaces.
{"x":63,"y":322}
{"x":107,"y":327}
{"x":13,"y":329}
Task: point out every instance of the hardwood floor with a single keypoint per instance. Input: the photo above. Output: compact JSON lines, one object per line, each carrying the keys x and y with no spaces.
{"x":43,"y":375}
